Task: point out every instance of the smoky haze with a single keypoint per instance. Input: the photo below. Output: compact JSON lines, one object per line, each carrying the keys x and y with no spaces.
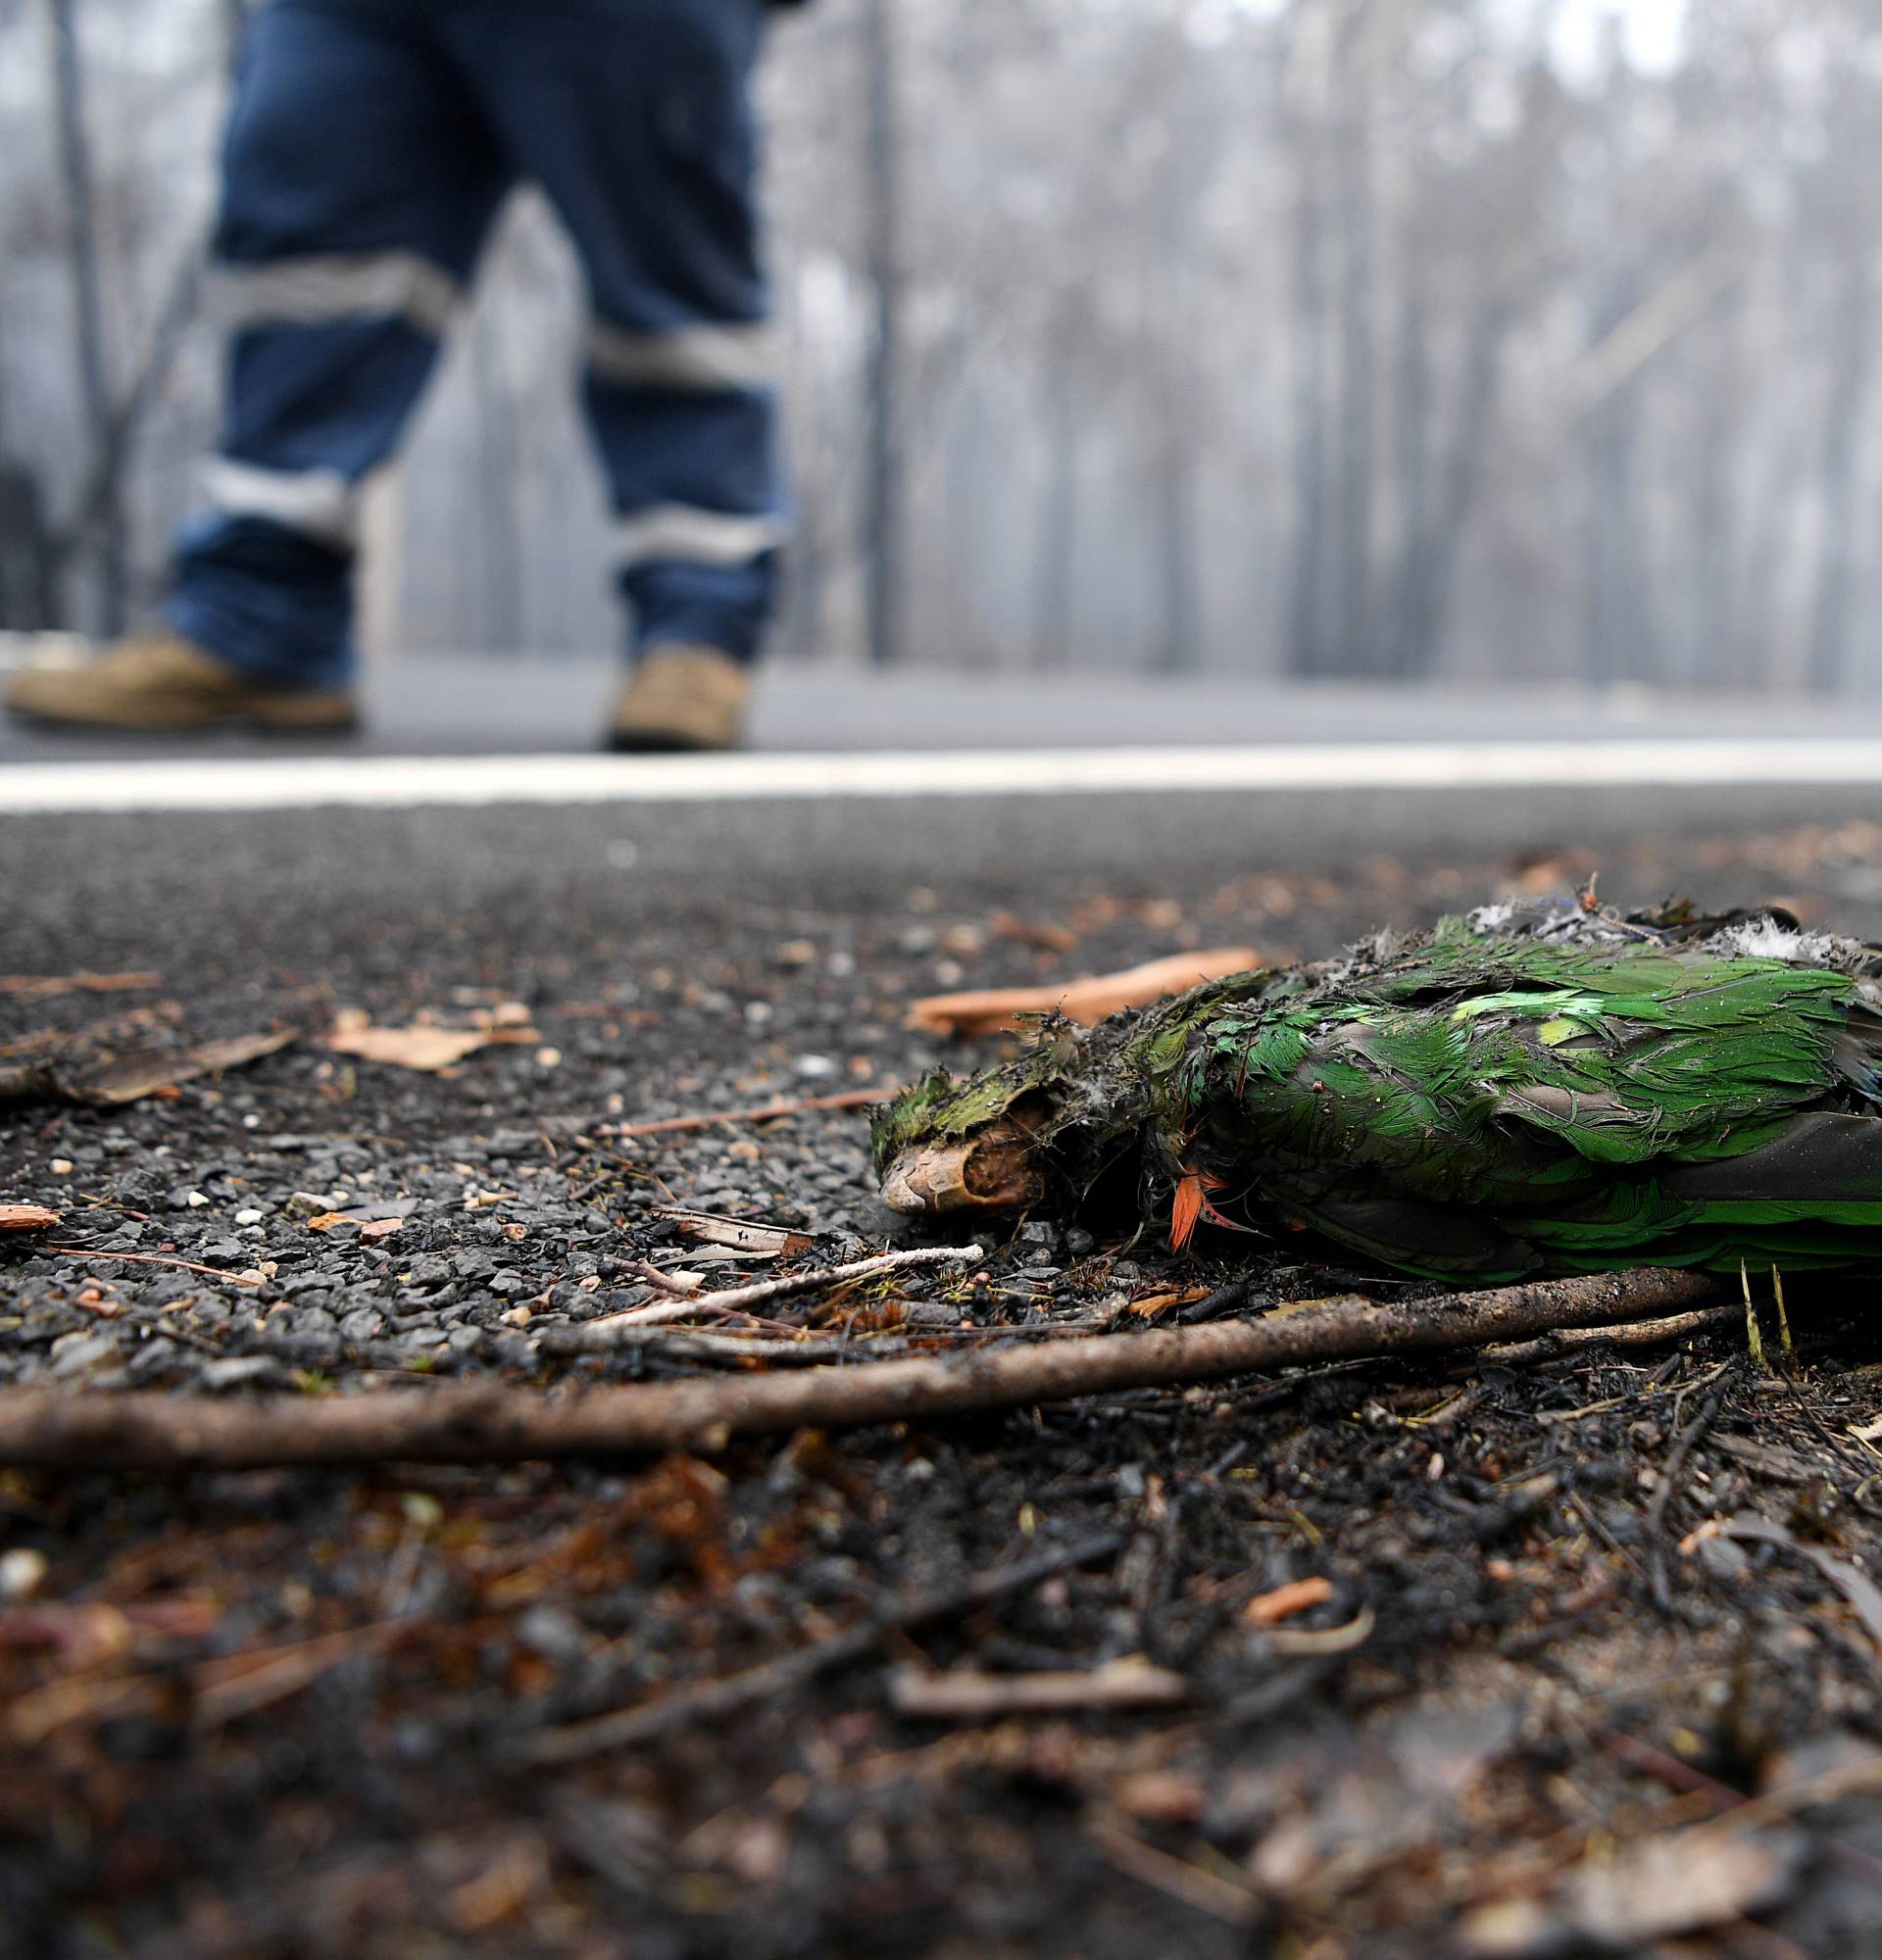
{"x":1378,"y":339}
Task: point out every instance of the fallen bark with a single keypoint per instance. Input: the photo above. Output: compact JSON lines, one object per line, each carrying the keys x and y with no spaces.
{"x":26,"y":1218}
{"x":501,"y":1423}
{"x":1087,"y":1000}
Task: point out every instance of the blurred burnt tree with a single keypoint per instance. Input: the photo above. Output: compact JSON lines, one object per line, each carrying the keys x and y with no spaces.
{"x":1391,"y":340}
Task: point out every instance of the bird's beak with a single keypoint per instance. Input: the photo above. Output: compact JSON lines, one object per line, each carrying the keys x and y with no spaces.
{"x":990,"y":1172}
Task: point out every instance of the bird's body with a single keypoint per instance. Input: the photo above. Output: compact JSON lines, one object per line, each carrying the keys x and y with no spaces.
{"x":1560,"y":1092}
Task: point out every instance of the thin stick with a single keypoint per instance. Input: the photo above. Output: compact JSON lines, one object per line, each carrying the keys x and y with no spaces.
{"x":1689,"y":1440}
{"x":1633,"y":1333}
{"x":665,"y":1282}
{"x":711,"y":1699}
{"x":154,"y":1259}
{"x":735,"y":1300}
{"x":501,"y":1423}
{"x":764,"y":1112}
{"x":971,"y":1694}
{"x":656,"y":1313}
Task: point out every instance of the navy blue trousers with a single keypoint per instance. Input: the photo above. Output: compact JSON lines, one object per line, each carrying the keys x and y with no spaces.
{"x":371,"y":144}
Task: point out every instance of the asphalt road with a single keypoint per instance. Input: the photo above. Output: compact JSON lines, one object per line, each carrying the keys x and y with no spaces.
{"x":727,"y":830}
{"x":428,"y":705}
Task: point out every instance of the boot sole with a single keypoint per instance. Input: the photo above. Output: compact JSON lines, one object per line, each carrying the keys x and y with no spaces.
{"x":655,"y":741}
{"x":266,"y":716}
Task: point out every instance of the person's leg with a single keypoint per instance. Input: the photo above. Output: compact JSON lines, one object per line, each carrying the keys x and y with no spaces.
{"x":359,"y":181}
{"x":635,"y":117}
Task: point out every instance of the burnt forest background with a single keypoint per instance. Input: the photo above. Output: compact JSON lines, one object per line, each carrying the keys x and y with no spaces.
{"x":1469,"y":340}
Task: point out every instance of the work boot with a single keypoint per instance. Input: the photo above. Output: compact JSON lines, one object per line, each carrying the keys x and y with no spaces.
{"x":682,"y":696}
{"x":160,"y":681}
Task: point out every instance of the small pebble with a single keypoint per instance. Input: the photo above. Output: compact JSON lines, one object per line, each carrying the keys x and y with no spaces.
{"x":22,"y":1572}
{"x":62,"y":1166}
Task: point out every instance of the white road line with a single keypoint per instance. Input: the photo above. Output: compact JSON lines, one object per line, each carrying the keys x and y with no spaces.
{"x":392,"y":782}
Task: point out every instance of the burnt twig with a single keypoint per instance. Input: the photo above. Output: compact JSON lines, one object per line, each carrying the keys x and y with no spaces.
{"x":711,"y":1701}
{"x":498,"y":1424}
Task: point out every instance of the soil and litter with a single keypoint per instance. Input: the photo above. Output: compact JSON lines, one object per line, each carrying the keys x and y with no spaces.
{"x":1560,"y":1643}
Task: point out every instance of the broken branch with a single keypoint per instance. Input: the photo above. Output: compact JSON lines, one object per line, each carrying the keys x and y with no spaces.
{"x":764,"y":1112}
{"x":496,"y":1424}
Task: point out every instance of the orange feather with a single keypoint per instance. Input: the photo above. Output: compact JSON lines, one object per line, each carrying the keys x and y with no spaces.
{"x":1185,"y":1208}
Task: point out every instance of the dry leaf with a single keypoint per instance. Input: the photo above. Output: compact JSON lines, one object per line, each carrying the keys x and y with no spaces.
{"x":1161,"y":1302}
{"x":1857,"y":1586}
{"x":1682,"y":1882}
{"x":47,"y":987}
{"x":374,"y":1220}
{"x":1046,"y":938}
{"x":744,"y":1234}
{"x":426,"y":1048}
{"x":1270,"y":1609}
{"x":131,"y":1078}
{"x":26,"y":1218}
{"x":1086,"y":1000}
{"x":213,"y":1058}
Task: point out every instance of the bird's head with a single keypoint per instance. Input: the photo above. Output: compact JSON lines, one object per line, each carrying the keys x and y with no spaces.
{"x":992,"y":1141}
{"x":1055,"y":1122}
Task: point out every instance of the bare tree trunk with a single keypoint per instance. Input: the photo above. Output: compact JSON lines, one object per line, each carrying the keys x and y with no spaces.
{"x":1179,"y":629}
{"x":1348,"y":596}
{"x":81,"y":217}
{"x":1413,"y":405}
{"x":1843,"y":411}
{"x":882,"y":500}
{"x":1429,"y":573}
{"x":1715,"y":528}
{"x":1619,"y":637}
{"x":1055,"y":563}
{"x":1307,"y":635}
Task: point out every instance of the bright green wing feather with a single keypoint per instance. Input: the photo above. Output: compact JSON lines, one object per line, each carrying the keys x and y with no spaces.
{"x":1499,"y":1108}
